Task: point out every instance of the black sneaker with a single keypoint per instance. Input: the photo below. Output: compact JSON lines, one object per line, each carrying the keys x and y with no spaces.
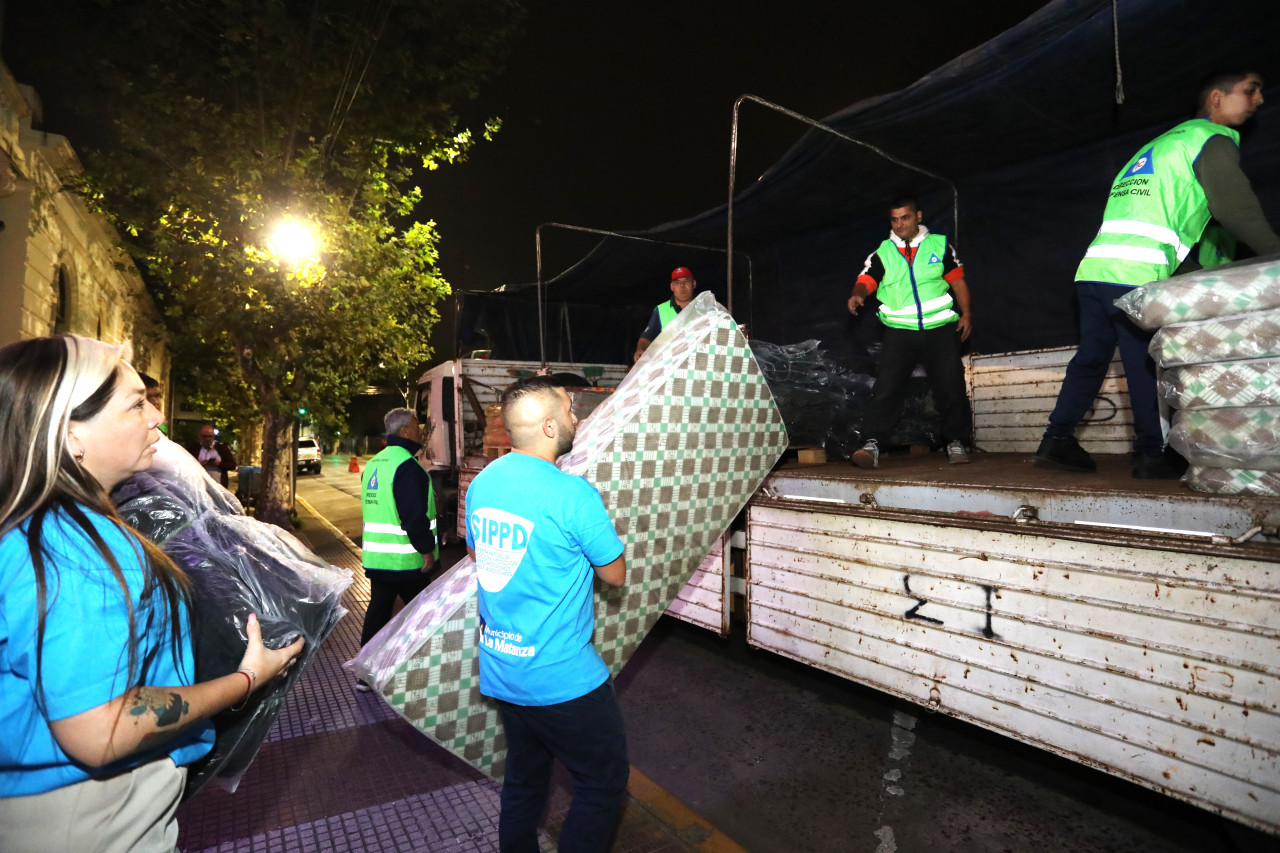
{"x":1065,"y":453}
{"x":1158,"y":467}
{"x":361,"y":687}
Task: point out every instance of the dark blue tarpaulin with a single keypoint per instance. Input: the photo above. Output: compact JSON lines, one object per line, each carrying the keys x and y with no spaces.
{"x":1026,"y":127}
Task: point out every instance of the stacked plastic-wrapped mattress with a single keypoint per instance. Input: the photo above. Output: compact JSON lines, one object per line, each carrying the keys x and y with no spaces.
{"x":675,"y":452}
{"x":1217,"y":345}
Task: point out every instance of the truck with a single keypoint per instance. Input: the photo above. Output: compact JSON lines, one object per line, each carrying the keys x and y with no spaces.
{"x":1129,"y":625}
{"x":452,"y":398}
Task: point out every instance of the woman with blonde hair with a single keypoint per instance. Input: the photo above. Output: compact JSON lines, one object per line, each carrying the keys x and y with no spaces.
{"x":99,"y":712}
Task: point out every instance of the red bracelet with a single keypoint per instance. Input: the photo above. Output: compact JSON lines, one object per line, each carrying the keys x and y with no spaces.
{"x":248,"y":689}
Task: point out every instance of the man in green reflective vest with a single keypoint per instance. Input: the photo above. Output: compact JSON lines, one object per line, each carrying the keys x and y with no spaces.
{"x":924,"y":306}
{"x":683,"y":285}
{"x":1158,"y":209}
{"x":399,"y":545}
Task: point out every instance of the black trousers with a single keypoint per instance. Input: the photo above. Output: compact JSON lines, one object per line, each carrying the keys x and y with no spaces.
{"x":587,"y":735}
{"x":382,"y":599}
{"x":938,"y":350}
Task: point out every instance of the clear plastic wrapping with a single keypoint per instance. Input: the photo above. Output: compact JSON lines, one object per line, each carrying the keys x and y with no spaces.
{"x":1234,"y":481}
{"x":1239,"y":288}
{"x":1221,"y":385}
{"x":675,"y":452}
{"x":1240,"y":336}
{"x":823,"y":401}
{"x":238,"y":566}
{"x":1246,"y":437}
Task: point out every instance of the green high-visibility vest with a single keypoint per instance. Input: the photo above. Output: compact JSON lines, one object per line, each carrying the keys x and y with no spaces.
{"x":385,"y":543}
{"x":1156,"y":211}
{"x":667,"y":312}
{"x":915,"y":295}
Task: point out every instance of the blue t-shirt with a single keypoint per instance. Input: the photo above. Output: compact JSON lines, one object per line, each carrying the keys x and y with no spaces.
{"x":85,"y":661}
{"x":537,"y":533}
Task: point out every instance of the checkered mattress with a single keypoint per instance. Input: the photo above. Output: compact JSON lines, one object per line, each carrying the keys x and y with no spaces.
{"x":1237,"y":288}
{"x":1228,"y":383}
{"x":676,"y":452}
{"x":1246,"y":437}
{"x":1241,"y":336}
{"x":1234,"y":481}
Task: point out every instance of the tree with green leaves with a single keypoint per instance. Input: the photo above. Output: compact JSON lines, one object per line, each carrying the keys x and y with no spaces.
{"x":230,"y":119}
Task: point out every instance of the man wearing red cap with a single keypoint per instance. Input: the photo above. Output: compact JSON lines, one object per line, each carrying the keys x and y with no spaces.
{"x":682,"y":287}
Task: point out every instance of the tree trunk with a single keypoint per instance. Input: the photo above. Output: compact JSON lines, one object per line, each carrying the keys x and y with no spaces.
{"x":275,"y":501}
{"x":251,"y":442}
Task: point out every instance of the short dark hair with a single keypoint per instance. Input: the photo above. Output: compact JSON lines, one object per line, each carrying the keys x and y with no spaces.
{"x":905,"y":200}
{"x":1221,"y":80}
{"x":148,"y":382}
{"x":526,"y":387}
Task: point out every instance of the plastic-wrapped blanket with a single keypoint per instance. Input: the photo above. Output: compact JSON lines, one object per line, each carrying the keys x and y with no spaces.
{"x":1234,"y":481}
{"x":822,"y":399}
{"x":1239,"y":288}
{"x":1245,"y":437}
{"x":238,"y":566}
{"x":1228,"y":383}
{"x":676,"y":452}
{"x":1243,"y":336}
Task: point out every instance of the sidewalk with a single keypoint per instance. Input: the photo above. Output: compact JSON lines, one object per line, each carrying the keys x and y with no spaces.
{"x":340,"y":771}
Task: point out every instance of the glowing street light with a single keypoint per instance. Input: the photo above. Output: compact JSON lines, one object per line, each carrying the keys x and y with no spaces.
{"x":294,"y":242}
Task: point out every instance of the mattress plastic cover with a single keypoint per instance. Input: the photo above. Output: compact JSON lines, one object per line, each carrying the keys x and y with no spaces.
{"x":1239,"y":288}
{"x":1240,"y":336}
{"x":1234,"y":481}
{"x":1222,"y":385}
{"x":1246,"y":437}
{"x":676,"y":453}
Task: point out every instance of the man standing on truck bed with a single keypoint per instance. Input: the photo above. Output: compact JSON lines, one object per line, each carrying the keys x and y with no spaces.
{"x":540,"y":537}
{"x":915,"y":276}
{"x":683,"y":284}
{"x":399,"y":545}
{"x":1158,"y":208}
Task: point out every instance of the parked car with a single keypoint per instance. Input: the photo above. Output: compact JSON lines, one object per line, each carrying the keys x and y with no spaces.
{"x":308,"y":455}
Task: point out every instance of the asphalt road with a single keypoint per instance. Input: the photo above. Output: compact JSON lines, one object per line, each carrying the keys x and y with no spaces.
{"x":783,"y":758}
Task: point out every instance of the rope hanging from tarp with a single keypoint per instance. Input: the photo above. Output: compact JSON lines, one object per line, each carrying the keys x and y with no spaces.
{"x":1115,"y":29}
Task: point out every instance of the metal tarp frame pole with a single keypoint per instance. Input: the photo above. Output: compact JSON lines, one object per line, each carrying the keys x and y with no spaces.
{"x":537,"y":239}
{"x":733,"y":172}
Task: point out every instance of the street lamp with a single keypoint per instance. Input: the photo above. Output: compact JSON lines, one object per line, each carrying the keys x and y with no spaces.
{"x":294,"y":242}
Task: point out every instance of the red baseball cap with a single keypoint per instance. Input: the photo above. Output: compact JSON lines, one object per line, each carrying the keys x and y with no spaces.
{"x":681,"y":272}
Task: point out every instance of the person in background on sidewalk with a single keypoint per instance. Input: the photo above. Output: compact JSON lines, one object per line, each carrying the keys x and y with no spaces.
{"x":539,"y":538}
{"x":155,"y":396}
{"x":683,"y":285}
{"x":920,"y":285}
{"x":399,"y":547}
{"x":100,"y":708}
{"x":214,"y":456}
{"x":1158,"y":208}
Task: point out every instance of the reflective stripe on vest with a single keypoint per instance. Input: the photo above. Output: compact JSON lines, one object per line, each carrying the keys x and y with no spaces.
{"x":1156,"y":211}
{"x":385,"y":544}
{"x":915,"y":295}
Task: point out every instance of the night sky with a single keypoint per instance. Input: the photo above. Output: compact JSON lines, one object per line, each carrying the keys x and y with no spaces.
{"x":617,"y":114}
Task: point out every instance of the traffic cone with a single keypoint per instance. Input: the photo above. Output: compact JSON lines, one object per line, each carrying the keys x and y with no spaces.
{"x":354,"y":467}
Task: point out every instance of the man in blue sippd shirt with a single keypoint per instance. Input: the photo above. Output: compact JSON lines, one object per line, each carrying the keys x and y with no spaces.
{"x":539,"y":538}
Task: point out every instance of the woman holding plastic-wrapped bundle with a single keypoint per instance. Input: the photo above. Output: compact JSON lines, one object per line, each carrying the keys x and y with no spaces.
{"x":99,"y":715}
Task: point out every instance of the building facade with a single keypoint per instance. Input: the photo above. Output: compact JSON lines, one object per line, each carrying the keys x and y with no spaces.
{"x":61,"y":267}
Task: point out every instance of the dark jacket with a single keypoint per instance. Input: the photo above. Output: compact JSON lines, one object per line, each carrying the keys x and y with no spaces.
{"x":226,"y":460}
